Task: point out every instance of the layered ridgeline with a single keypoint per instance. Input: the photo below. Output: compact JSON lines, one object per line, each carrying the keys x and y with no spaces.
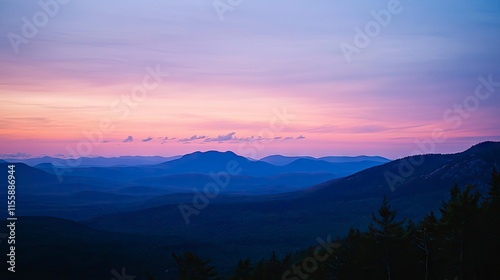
{"x":232,"y":227}
{"x":189,"y":170}
{"x":94,"y":161}
{"x":73,"y":189}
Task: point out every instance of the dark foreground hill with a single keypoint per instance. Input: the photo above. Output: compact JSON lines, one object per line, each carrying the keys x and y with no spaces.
{"x":51,"y":248}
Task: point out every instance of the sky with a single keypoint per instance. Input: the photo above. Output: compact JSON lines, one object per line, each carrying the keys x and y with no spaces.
{"x":325,"y":77}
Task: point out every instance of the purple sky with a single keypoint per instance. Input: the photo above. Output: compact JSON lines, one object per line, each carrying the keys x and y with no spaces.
{"x":232,"y":75}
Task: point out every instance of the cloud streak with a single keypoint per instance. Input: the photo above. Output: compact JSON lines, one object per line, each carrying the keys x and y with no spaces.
{"x":221,"y":138}
{"x":18,"y":155}
{"x":192,"y":138}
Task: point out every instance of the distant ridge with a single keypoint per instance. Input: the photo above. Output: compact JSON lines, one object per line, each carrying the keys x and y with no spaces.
{"x":284,"y":160}
{"x":355,"y":159}
{"x":123,"y":161}
{"x":280,"y":160}
{"x":98,"y":161}
{"x":213,"y":161}
{"x":30,"y":176}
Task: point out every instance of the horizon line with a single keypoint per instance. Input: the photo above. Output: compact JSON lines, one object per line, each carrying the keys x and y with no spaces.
{"x":61,"y":157}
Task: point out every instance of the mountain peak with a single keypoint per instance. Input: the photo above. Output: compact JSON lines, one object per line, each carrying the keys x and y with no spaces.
{"x":210,"y":153}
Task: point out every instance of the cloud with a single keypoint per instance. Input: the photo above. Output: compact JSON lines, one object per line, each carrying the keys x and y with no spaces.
{"x":245,"y":139}
{"x":16,"y":155}
{"x":222,"y":138}
{"x":166,"y":139}
{"x":230,"y":138}
{"x":128,"y":139}
{"x":192,"y":138}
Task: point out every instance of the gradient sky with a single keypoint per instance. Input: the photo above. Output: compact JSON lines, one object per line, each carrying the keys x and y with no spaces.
{"x":229,"y":79}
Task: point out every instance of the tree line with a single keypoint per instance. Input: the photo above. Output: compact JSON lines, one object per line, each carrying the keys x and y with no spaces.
{"x":462,"y":243}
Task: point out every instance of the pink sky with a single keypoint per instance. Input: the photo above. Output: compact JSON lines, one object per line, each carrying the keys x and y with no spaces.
{"x":227,"y":81}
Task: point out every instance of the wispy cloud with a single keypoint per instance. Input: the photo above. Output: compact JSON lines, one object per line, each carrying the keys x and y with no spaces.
{"x":221,"y":138}
{"x":166,"y":139}
{"x":128,"y":139}
{"x":147,"y":139}
{"x":16,"y":155}
{"x":230,"y":138}
{"x":192,"y":138}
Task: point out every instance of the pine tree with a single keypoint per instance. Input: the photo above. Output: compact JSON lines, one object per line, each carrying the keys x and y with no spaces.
{"x":345,"y":258}
{"x":460,"y":221}
{"x":491,"y":208}
{"x":259,"y":272}
{"x":275,"y":268}
{"x":425,"y":238}
{"x":386,"y":232}
{"x":243,"y":270}
{"x":494,"y":189}
{"x":192,"y":267}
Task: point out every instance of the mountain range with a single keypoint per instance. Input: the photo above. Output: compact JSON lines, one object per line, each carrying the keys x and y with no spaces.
{"x":182,"y":174}
{"x":101,"y":199}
